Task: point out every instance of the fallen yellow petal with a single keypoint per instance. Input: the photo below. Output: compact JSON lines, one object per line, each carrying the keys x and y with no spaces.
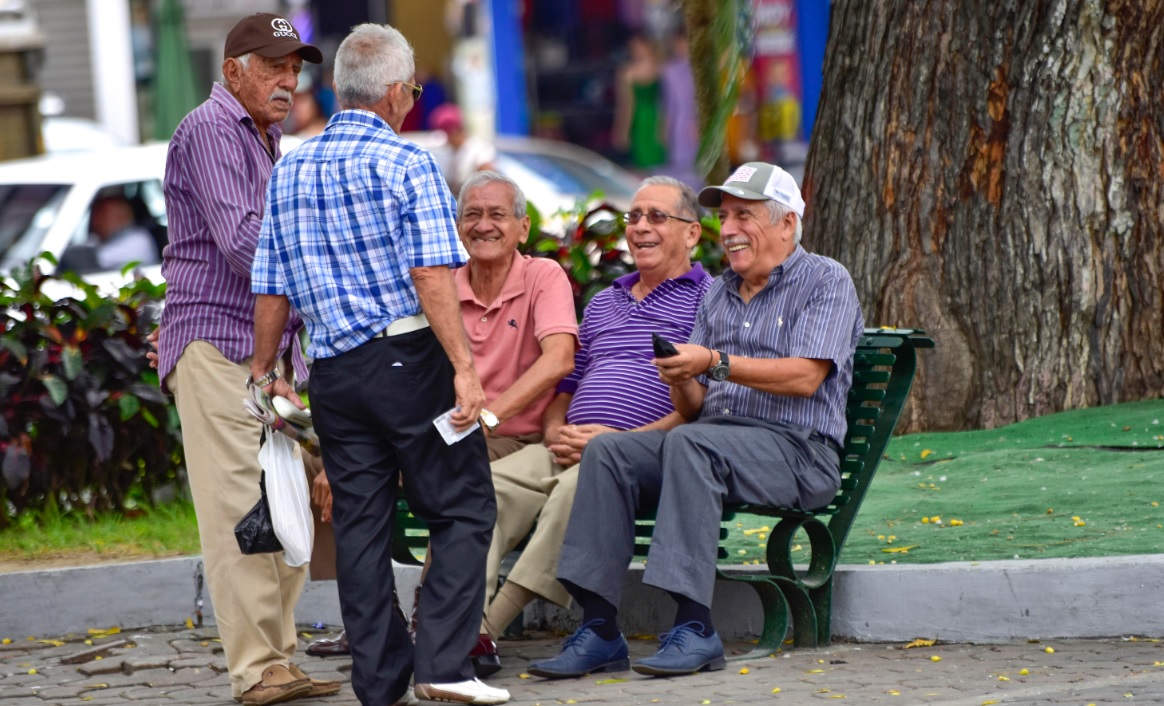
{"x":757,"y":530}
{"x":705,"y":701}
{"x":54,"y":643}
{"x":189,"y":624}
{"x":1024,"y":671}
{"x":925,"y":520}
{"x":776,"y":690}
{"x":6,"y":641}
{"x":936,"y":519}
{"x":32,"y":671}
{"x":609,"y":681}
{"x":745,"y":670}
{"x":98,"y":657}
{"x":1002,"y":678}
{"x":523,"y":675}
{"x":935,"y":658}
{"x":815,"y":671}
{"x":920,"y":642}
{"x":1049,"y":650}
{"x":955,"y":523}
{"x":111,"y":631}
{"x":988,"y":702}
{"x":926,"y":452}
{"x":893,"y":692}
{"x":899,"y":550}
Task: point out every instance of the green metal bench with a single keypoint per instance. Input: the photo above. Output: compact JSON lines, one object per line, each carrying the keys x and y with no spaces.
{"x":883,"y":371}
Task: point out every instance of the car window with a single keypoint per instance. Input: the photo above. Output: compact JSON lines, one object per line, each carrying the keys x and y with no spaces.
{"x":27,"y":211}
{"x":567,"y":175}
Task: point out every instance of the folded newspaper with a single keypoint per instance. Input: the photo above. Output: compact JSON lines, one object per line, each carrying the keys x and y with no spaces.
{"x":284,"y":417}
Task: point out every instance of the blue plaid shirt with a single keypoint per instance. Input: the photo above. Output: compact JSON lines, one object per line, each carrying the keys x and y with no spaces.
{"x":348,"y":214}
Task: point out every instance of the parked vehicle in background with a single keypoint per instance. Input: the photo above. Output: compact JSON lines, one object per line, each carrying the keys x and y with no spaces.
{"x":45,"y":201}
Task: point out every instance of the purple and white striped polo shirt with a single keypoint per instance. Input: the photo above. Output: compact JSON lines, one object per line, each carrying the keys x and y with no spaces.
{"x":216,"y":185}
{"x":614,"y":382}
{"x":808,"y":309}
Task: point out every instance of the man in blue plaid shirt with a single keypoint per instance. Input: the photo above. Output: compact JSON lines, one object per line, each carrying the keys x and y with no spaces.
{"x":359,"y":237}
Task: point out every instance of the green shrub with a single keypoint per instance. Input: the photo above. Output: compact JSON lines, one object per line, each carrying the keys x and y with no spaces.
{"x":84,"y":427}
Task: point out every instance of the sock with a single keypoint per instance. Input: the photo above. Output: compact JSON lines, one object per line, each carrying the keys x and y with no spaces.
{"x":690,"y":611}
{"x":595,"y":608}
{"x":506,"y":605}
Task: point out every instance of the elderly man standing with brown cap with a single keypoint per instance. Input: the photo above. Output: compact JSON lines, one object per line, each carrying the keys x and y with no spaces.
{"x":217,"y":169}
{"x":763,"y":380}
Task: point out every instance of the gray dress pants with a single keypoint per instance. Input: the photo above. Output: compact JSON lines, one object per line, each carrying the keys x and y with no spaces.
{"x":688,"y":473}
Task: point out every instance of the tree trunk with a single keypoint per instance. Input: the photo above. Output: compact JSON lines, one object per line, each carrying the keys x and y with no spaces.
{"x":992,"y":173}
{"x":712,"y":53}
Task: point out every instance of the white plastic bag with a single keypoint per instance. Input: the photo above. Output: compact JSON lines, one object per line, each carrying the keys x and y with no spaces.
{"x":288,"y":497}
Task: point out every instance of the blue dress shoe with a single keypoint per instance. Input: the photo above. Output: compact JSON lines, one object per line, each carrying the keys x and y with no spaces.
{"x":684,"y":651}
{"x":585,"y":652}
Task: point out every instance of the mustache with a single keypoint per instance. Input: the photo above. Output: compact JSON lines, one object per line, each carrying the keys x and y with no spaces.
{"x":281,"y":93}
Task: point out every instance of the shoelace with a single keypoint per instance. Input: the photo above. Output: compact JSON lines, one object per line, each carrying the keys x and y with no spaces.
{"x":680,"y":634}
{"x":580,"y":634}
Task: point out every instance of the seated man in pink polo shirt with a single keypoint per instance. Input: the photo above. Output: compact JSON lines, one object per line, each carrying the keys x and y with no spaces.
{"x":518,"y":312}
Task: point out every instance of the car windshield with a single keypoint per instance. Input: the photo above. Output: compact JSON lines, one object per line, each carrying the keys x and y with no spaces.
{"x":569,"y":176}
{"x":27,"y":211}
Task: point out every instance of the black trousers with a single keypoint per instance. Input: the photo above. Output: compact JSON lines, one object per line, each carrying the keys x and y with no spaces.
{"x":373,"y":409}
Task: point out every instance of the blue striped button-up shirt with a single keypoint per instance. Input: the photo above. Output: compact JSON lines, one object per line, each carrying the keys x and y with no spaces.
{"x":349,"y":212}
{"x":808,"y":309}
{"x":215,"y":185}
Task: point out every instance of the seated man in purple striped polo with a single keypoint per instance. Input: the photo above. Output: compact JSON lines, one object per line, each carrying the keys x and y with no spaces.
{"x":613,"y":388}
{"x":763,"y":382}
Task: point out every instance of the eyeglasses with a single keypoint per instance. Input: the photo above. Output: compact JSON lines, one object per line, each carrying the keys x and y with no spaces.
{"x":416,"y":90}
{"x":655,"y":217}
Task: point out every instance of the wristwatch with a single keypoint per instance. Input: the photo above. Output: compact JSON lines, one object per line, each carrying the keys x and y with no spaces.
{"x":720,"y":371}
{"x":267,"y":379}
{"x":490,"y":420}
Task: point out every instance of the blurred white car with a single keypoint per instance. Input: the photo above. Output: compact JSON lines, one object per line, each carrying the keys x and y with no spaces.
{"x":45,"y":201}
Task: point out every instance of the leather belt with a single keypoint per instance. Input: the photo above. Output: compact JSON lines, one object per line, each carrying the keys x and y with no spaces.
{"x":406,"y":325}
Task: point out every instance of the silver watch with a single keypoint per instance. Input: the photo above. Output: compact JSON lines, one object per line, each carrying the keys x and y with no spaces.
{"x":490,"y":420}
{"x":720,"y":371}
{"x":263,"y":381}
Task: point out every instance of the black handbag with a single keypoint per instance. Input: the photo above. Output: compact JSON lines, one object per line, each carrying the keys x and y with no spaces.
{"x":255,"y":532}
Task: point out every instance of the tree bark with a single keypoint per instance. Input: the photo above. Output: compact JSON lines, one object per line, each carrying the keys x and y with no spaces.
{"x":992,"y":173}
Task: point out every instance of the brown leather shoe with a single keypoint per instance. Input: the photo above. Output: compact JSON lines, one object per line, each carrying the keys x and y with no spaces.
{"x":337,"y":647}
{"x":278,"y":685}
{"x":319,"y":687}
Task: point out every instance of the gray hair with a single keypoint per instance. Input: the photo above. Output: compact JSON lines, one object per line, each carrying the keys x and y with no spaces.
{"x":479,"y":179}
{"x":777,"y":212}
{"x":688,"y":205}
{"x":368,"y":60}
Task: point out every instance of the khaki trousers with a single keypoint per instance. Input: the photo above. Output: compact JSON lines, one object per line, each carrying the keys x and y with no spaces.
{"x":531,"y":488}
{"x":254,"y":596}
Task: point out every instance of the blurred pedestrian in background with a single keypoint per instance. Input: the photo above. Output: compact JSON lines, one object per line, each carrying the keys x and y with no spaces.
{"x":637,"y":126}
{"x":462,"y":154}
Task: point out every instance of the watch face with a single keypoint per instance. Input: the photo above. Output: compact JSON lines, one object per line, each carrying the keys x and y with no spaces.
{"x":719,"y":373}
{"x":489,"y":418}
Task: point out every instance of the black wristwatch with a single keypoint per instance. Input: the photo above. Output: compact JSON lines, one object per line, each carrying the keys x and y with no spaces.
{"x":720,"y":371}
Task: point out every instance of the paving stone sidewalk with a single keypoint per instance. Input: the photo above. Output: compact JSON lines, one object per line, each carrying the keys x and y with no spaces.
{"x":173,"y":665}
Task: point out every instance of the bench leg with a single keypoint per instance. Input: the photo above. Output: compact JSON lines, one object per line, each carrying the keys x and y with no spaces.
{"x":775,"y":615}
{"x":822,"y":603}
{"x":805,"y":619}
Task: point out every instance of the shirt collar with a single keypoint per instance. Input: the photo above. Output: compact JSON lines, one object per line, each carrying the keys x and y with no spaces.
{"x":233,"y":108}
{"x":778,"y":271}
{"x":514,"y":285}
{"x":696,"y":275}
{"x":358,"y":116}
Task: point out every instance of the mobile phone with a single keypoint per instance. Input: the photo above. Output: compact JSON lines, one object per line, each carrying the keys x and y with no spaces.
{"x":663,"y":347}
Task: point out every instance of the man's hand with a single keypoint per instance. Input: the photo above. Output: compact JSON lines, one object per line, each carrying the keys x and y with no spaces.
{"x":152,"y":354}
{"x":572,"y":439}
{"x":691,"y":361}
{"x":470,"y":399}
{"x":282,"y":388}
{"x":321,"y":495}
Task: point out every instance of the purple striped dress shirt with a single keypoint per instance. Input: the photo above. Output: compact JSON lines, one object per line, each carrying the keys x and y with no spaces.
{"x":216,"y":185}
{"x":614,"y":382}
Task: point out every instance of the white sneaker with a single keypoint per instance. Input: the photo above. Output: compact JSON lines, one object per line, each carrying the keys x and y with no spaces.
{"x":463,"y":692}
{"x":409,"y":699}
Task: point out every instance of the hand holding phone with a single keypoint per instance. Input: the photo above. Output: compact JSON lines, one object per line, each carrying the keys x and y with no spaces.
{"x":663,"y":347}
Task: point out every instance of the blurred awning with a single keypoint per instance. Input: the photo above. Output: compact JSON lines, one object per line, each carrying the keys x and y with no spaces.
{"x":175,"y":94}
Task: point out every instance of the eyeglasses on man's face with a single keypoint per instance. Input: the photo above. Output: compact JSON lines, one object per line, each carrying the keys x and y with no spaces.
{"x":416,"y":90}
{"x":655,"y":217}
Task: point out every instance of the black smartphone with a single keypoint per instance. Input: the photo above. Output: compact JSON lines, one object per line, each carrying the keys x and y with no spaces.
{"x":663,"y":347}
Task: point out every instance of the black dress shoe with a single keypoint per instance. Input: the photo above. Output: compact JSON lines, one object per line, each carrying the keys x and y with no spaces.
{"x":486,"y":661}
{"x":330,"y":648}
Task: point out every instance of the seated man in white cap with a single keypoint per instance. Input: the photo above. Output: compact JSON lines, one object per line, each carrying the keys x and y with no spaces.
{"x":763,"y":382}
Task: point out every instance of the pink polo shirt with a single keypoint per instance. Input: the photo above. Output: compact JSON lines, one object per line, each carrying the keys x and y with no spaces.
{"x":535,"y":301}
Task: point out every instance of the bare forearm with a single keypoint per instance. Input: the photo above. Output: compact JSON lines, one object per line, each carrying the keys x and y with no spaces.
{"x":555,"y":363}
{"x":271,"y":312}
{"x":438,"y":298}
{"x":687,"y":396}
{"x":789,"y":377}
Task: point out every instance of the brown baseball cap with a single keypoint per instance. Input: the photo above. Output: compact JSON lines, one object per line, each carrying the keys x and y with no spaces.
{"x":269,"y":35}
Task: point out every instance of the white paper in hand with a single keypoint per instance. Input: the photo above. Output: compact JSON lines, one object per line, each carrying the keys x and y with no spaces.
{"x":448,"y":433}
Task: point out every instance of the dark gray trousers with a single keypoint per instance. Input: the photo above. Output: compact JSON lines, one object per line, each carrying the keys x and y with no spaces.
{"x":688,"y":473}
{"x":373,"y":409}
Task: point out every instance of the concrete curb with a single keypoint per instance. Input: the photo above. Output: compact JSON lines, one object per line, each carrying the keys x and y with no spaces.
{"x":964,"y":601}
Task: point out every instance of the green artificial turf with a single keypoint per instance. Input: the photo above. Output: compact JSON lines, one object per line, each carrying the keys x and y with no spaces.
{"x":1084,"y":483}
